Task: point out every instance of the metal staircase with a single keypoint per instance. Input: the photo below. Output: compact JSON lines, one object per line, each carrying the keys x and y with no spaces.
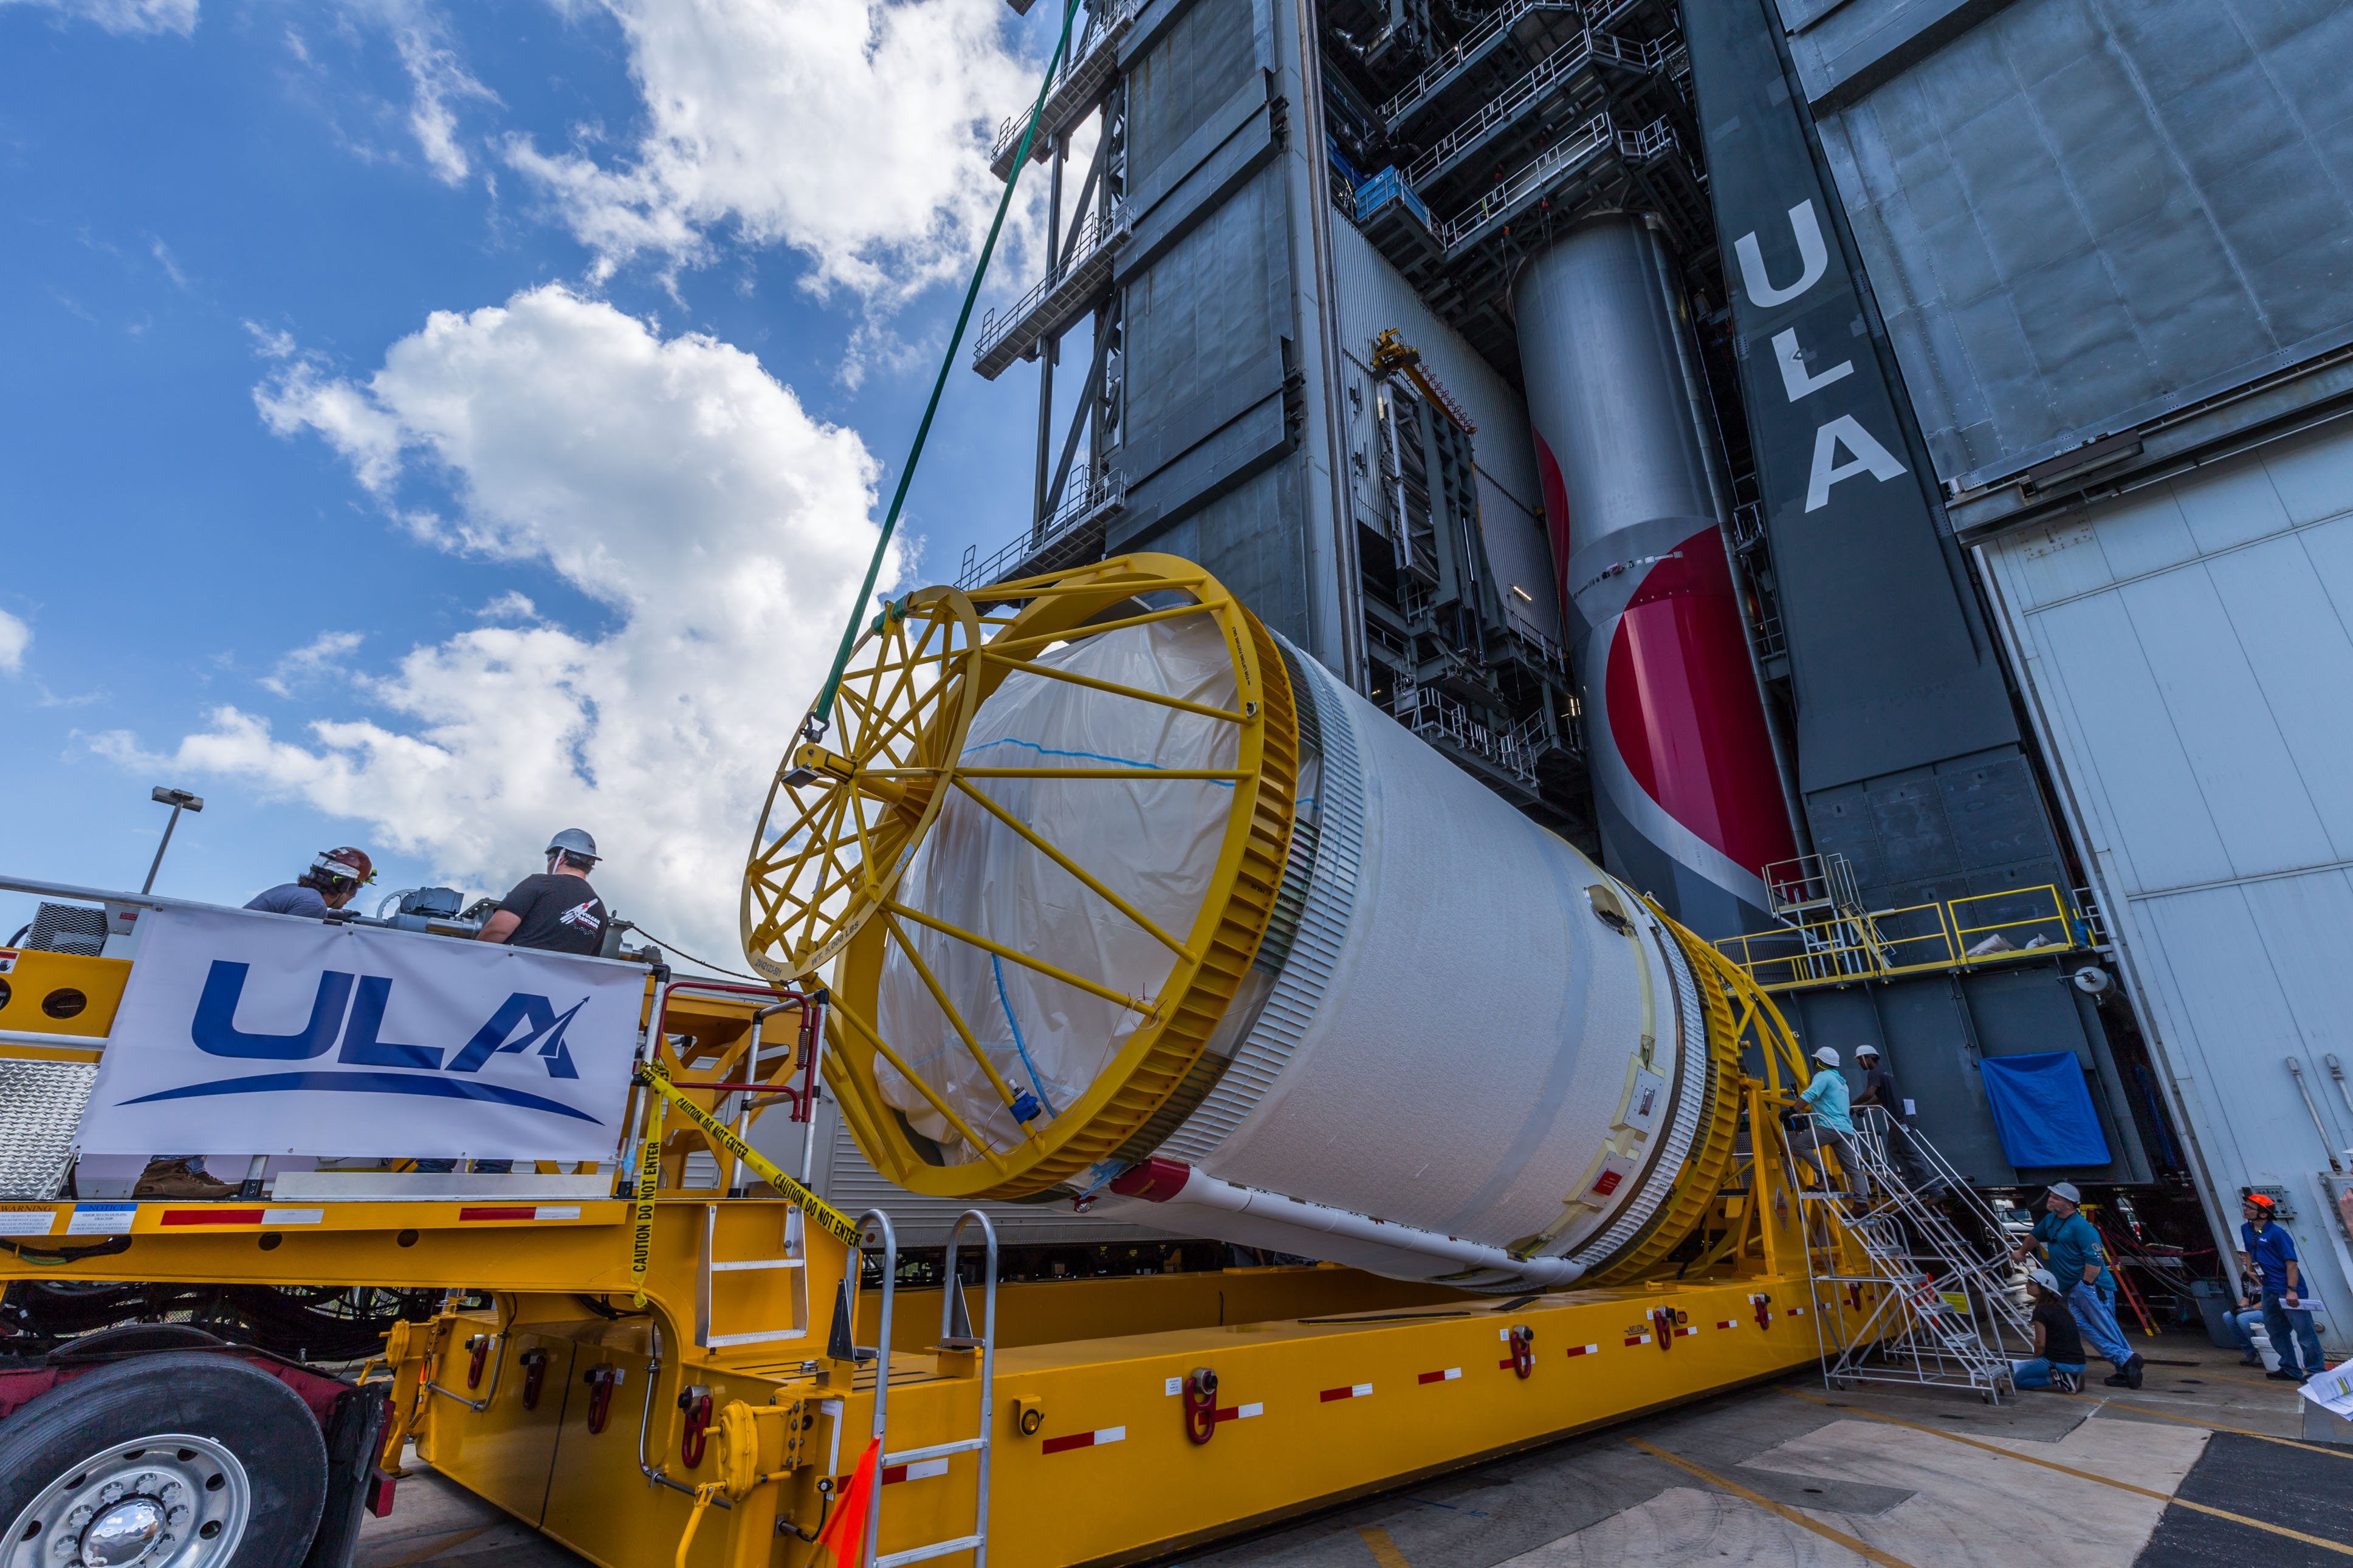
{"x":955,"y":1334}
{"x":1933,"y":1309}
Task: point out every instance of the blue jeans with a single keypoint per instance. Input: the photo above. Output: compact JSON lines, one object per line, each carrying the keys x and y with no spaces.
{"x":2095,"y":1312}
{"x":2286,"y":1326}
{"x":2036,"y":1373}
{"x":2241,"y":1320}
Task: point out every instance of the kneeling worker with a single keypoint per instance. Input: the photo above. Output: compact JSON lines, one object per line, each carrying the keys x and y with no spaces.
{"x":556,"y":910}
{"x":333,"y":879}
{"x":2058,"y":1361}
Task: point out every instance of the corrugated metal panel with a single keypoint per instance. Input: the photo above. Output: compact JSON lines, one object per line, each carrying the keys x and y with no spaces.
{"x":2187,"y":654}
{"x":2082,"y":214}
{"x":849,"y":1183}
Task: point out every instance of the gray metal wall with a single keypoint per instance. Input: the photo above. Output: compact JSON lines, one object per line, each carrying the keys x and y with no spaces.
{"x":1934,"y":1031}
{"x":2187,"y":654}
{"x":2079,"y":215}
{"x":1216,"y":419}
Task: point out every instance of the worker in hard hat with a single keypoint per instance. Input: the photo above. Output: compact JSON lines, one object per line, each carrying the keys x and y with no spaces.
{"x":2266,"y":1251}
{"x":1826,"y":1099}
{"x":556,"y":910}
{"x":2058,"y":1361}
{"x":333,"y":881}
{"x":1879,"y":1089}
{"x":2072,"y":1250}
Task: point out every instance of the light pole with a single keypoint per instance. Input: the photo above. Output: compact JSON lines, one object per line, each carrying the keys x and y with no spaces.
{"x":179,"y":800}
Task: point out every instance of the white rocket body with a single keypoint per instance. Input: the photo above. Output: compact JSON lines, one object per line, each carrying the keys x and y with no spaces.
{"x":1468,"y":1052}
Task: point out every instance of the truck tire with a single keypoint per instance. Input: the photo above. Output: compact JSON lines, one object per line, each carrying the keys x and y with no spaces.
{"x":180,"y":1459}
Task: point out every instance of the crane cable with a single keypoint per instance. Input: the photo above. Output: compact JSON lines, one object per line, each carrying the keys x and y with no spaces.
{"x":820,"y":716}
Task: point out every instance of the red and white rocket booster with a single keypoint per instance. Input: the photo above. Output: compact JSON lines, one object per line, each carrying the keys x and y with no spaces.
{"x":1692,"y":803}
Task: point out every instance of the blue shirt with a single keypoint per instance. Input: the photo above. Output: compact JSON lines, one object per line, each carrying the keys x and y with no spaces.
{"x":2068,"y":1245}
{"x":2271,"y":1250}
{"x":1826,"y":1094}
{"x":289,"y":898}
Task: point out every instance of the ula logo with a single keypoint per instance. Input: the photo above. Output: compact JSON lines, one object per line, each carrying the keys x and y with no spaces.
{"x":350,"y":1009}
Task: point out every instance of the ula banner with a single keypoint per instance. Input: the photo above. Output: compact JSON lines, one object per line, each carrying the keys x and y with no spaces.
{"x":252,"y":1034}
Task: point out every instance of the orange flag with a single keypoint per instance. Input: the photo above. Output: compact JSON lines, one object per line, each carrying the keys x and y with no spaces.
{"x":845,"y":1532}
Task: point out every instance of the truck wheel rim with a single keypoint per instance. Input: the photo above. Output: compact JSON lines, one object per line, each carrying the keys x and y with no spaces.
{"x":172,"y":1500}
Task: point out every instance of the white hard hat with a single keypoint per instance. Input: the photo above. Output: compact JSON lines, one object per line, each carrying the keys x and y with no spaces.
{"x":2044,"y":1278}
{"x":1865,"y":1049}
{"x":574,"y":842}
{"x":2066,"y":1190}
{"x":1826,"y":1056}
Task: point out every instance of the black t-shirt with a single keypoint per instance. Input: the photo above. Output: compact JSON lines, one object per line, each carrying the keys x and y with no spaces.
{"x":1880,"y":1084}
{"x":559,"y":914}
{"x":2060,"y":1341}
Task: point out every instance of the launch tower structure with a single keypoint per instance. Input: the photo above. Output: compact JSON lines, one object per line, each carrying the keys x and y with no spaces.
{"x":1705,"y":425}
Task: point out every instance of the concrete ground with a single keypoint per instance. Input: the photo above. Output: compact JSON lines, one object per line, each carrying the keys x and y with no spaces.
{"x":2181,"y":1474}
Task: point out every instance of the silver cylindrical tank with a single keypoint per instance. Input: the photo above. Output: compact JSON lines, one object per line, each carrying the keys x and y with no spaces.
{"x":1464,"y":1052}
{"x":1693,"y":805}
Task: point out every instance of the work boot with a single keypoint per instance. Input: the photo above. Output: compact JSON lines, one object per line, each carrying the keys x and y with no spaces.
{"x":2284,"y":1375}
{"x":179,"y":1179}
{"x":2133,"y":1370}
{"x":2251,"y":1360}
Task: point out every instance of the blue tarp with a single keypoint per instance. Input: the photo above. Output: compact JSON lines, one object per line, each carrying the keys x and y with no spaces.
{"x":2043,"y":1111}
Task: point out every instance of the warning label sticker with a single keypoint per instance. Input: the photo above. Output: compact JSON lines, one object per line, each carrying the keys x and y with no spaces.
{"x":27,"y":1222}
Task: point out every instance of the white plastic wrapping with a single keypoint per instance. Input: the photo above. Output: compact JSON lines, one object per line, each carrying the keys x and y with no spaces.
{"x":1153,"y":843}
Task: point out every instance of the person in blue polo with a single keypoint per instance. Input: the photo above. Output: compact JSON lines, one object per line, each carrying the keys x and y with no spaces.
{"x":2265,"y":1248}
{"x":2070,"y":1250}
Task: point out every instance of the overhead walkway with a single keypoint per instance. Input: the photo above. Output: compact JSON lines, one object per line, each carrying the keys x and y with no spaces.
{"x":1053,"y":305}
{"x":1075,"y":94}
{"x":1825,"y":936}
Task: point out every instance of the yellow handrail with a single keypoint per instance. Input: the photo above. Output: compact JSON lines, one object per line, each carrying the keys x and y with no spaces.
{"x":1845,"y":946}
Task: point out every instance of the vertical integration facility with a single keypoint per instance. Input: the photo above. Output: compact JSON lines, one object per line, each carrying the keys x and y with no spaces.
{"x":1874,"y":472}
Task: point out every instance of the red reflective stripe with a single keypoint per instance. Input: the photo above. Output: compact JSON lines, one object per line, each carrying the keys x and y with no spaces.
{"x":896,"y":1473}
{"x":1728,"y":1322}
{"x":1329,"y":1395}
{"x":1640,"y":1340}
{"x":1589,"y":1350}
{"x":1437,"y":1376}
{"x":528,"y":1211}
{"x":212,"y":1217}
{"x":1063,"y":1445}
{"x":1506,"y":1365}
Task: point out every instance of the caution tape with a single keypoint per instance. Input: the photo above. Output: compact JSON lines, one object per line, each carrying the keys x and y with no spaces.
{"x":829,"y":1218}
{"x":641,"y":1245}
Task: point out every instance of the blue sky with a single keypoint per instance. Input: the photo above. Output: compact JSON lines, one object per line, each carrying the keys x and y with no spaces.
{"x":426,"y":428}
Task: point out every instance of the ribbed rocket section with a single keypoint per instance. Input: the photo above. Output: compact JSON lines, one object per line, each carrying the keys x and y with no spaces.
{"x":1690,"y":799}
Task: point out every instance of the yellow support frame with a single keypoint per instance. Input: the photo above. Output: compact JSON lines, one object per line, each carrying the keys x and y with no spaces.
{"x":1175,"y":1017}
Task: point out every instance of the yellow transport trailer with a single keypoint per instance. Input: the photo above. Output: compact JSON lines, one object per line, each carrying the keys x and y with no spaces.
{"x":1053,"y":1423}
{"x":653,"y":1372}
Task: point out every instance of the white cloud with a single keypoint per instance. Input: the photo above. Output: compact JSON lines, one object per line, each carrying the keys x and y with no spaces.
{"x":673,"y":480}
{"x":321,"y":656}
{"x":127,"y":16}
{"x":438,"y":80}
{"x":855,"y":131}
{"x":16,"y":636}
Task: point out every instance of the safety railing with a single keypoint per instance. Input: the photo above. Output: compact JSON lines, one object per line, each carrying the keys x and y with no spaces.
{"x":1086,"y":498}
{"x":1562,"y":65}
{"x":1832,"y":946}
{"x":1051,"y":304}
{"x":1431,"y":714}
{"x":1423,"y":88}
{"x":1077,"y":86}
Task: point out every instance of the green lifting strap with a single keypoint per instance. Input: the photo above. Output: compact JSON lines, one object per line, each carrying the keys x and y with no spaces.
{"x":823,"y":714}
